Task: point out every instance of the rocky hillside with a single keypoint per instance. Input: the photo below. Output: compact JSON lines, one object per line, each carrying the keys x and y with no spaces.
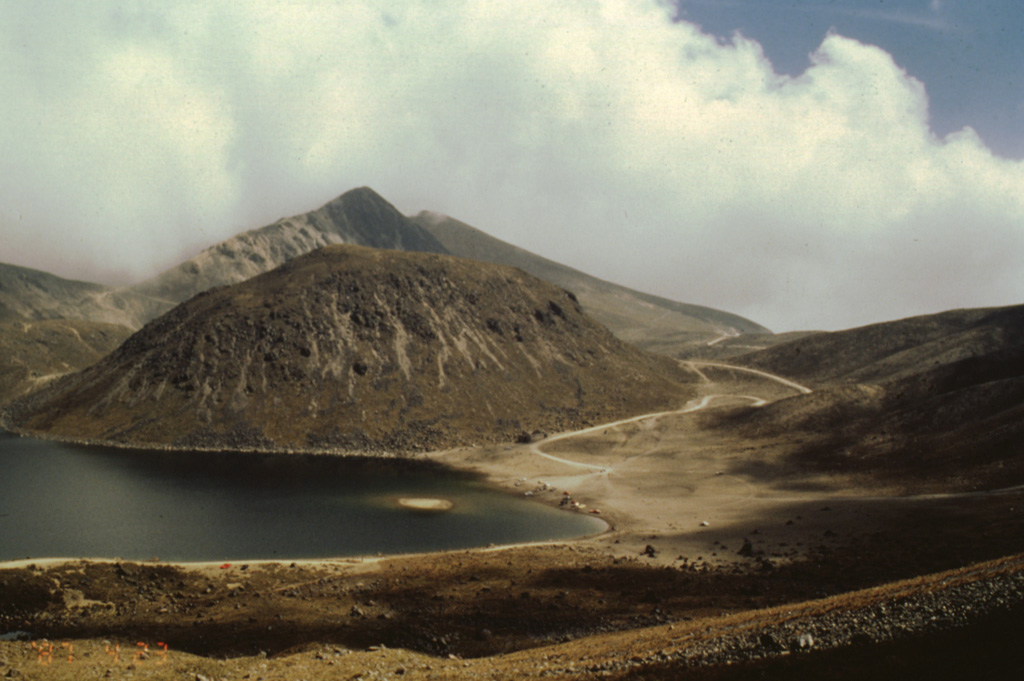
{"x":938,"y":397}
{"x":892,"y":350}
{"x":356,"y":348}
{"x":363,"y":217}
{"x":359,"y":216}
{"x":649,"y":321}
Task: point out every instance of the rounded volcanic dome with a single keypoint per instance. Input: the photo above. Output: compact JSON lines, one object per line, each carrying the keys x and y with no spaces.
{"x":353,"y":348}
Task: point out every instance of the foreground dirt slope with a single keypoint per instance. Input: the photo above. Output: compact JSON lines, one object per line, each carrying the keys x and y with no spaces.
{"x":459,"y":618}
{"x":361,"y":349}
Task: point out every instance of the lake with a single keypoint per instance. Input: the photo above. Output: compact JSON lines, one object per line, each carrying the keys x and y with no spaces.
{"x":71,"y":501}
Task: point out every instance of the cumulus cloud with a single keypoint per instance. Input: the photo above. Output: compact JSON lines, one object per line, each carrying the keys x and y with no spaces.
{"x":602,"y":135}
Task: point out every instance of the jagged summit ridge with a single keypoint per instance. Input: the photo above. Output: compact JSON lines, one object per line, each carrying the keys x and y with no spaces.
{"x":360,"y":216}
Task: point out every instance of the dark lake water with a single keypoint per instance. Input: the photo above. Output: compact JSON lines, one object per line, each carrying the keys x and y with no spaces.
{"x":68,"y":501}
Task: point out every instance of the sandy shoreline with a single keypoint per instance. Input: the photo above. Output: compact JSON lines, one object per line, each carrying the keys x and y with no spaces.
{"x":656,"y":480}
{"x":668,"y":488}
{"x":706,"y":532}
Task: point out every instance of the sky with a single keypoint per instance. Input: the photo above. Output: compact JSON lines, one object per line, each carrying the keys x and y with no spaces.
{"x":806,"y":164}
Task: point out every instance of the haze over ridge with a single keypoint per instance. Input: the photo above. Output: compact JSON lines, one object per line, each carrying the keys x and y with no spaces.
{"x":617,"y":141}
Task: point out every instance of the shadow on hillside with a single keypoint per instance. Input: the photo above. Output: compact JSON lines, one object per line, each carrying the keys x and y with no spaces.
{"x":963,"y":443}
{"x":848,"y":543}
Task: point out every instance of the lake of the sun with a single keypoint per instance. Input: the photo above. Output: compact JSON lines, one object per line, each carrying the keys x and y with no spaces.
{"x":67,"y":501}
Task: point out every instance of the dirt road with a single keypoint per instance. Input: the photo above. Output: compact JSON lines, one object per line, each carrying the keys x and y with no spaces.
{"x":720,"y":556}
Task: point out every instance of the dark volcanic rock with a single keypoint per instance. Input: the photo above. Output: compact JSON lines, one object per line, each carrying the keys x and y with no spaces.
{"x":355,"y":348}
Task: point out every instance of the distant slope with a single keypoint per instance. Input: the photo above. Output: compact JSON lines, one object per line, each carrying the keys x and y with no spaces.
{"x":34,"y":352}
{"x":937,"y":397}
{"x":37,"y":295}
{"x":356,"y":348}
{"x":889,"y":350}
{"x":640,"y":318}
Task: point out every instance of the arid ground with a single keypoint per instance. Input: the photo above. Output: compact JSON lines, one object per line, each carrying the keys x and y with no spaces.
{"x":723,"y":559}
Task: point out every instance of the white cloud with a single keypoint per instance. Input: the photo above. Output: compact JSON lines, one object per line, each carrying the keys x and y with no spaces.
{"x":112,"y":159}
{"x":598,"y":134}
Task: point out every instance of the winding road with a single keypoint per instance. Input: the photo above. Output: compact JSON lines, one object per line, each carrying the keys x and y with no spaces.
{"x":764,"y":374}
{"x":695,"y":405}
{"x":703,"y":403}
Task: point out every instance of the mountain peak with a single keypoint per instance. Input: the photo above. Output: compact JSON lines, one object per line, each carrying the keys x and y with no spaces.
{"x":362,"y":216}
{"x":361,"y":193}
{"x":361,"y":198}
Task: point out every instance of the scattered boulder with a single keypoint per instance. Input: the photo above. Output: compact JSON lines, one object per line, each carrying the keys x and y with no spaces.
{"x":802,"y":643}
